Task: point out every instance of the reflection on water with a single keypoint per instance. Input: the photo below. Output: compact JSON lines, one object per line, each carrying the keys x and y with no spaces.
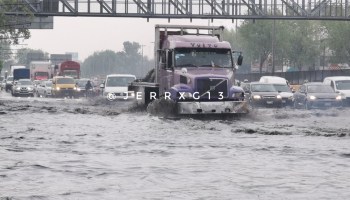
{"x":78,"y":149}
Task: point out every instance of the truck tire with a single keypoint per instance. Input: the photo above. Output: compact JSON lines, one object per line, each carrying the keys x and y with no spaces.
{"x":162,"y":107}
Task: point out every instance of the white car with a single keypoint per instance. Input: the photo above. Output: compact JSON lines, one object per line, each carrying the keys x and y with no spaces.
{"x":116,"y":86}
{"x":44,"y":89}
{"x":282,"y":86}
{"x":341,"y":85}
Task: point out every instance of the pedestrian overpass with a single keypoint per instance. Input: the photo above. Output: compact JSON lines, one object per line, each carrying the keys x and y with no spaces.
{"x":188,"y":9}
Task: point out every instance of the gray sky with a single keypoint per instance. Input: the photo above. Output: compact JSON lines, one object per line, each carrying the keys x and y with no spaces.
{"x":86,"y":35}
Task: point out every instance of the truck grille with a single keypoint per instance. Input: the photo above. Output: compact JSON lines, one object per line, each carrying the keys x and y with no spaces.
{"x":214,"y":86}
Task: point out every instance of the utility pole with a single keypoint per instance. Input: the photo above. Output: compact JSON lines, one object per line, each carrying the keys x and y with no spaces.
{"x":273,"y":46}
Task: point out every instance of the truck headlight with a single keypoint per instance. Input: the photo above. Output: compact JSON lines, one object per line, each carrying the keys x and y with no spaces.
{"x":279,"y":96}
{"x":256,"y":97}
{"x":338,"y":98}
{"x":312,"y":97}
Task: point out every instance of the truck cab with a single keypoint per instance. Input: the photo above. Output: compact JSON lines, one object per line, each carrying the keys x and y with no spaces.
{"x":196,"y":69}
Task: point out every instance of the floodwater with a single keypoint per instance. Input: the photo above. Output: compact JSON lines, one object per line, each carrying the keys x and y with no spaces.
{"x":81,"y":149}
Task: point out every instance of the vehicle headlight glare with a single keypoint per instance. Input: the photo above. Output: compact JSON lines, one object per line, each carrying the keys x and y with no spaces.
{"x":279,"y":97}
{"x":57,"y":88}
{"x":29,"y":88}
{"x":18,"y":88}
{"x":338,"y":98}
{"x":256,"y":97}
{"x":78,"y":89}
{"x":312,"y":97}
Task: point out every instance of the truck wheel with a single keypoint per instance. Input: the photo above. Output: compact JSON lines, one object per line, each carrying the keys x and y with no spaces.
{"x":162,"y":107}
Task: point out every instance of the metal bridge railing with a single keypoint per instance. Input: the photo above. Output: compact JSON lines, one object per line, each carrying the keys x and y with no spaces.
{"x":207,"y":9}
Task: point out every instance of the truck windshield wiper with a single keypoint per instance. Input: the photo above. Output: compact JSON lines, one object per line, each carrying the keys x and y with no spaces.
{"x":210,"y":65}
{"x":187,"y":65}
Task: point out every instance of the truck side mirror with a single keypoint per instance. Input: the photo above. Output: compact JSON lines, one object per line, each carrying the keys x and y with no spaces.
{"x":240,"y":60}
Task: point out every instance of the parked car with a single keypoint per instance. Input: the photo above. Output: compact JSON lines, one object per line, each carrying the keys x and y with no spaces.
{"x":23,"y":87}
{"x":118,"y":85}
{"x":341,"y":85}
{"x":262,"y":94}
{"x":282,"y":86}
{"x":316,"y":95}
{"x":44,"y":89}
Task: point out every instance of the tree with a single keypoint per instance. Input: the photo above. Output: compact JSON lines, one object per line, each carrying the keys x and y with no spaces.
{"x":107,"y":62}
{"x":256,"y":39}
{"x":22,"y":55}
{"x":303,"y":43}
{"x":338,"y":40}
{"x":9,"y":30}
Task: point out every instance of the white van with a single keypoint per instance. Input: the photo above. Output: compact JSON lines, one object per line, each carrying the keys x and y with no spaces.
{"x":340,"y":84}
{"x":116,"y":86}
{"x":282,"y":86}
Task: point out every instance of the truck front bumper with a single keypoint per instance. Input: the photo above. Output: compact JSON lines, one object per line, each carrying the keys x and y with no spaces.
{"x":216,"y":107}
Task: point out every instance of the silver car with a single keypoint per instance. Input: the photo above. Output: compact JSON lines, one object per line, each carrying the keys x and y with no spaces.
{"x":44,"y":89}
{"x":23,"y":87}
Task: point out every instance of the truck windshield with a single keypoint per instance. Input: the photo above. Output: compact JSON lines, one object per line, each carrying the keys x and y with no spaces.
{"x":70,"y":73}
{"x":119,"y":81}
{"x":42,"y":74}
{"x":65,"y":81}
{"x":343,"y":85}
{"x":185,"y":57}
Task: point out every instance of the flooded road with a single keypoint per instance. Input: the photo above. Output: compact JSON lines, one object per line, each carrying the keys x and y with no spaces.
{"x":80,"y":149}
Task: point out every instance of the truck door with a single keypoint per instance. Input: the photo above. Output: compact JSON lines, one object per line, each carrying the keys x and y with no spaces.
{"x":166,"y":72}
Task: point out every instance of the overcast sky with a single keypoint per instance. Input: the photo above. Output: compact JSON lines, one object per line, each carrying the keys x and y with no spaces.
{"x":86,"y":35}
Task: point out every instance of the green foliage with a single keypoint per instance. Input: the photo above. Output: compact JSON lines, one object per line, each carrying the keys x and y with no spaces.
{"x":8,"y":32}
{"x":296,"y":42}
{"x":21,"y":56}
{"x":108,"y":62}
{"x":302,"y":43}
{"x":337,"y":40}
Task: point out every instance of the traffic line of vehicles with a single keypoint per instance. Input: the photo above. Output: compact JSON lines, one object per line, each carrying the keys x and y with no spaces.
{"x":271,"y":91}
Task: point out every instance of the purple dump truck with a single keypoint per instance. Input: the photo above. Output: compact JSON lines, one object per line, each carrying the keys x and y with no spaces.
{"x":195,"y":69}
